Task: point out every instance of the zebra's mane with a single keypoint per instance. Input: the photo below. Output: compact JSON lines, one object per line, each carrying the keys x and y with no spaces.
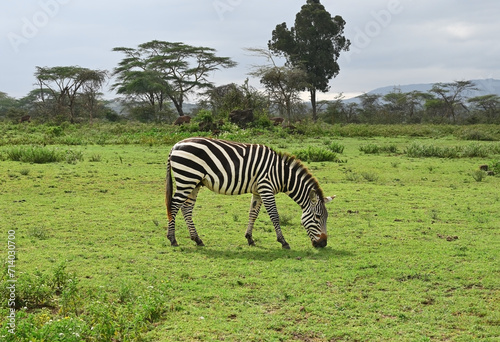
{"x":289,"y":159}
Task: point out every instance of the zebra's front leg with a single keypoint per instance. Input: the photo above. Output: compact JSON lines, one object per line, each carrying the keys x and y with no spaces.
{"x":254,"y":212}
{"x":270,"y":205}
{"x":187,"y":212}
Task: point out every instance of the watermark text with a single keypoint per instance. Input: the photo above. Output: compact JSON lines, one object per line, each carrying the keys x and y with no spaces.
{"x":11,"y":281}
{"x":31,"y":25}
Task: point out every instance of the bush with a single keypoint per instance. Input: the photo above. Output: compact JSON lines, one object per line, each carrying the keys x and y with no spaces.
{"x":478,"y":175}
{"x":335,"y":147}
{"x":375,"y":149}
{"x":316,"y":154}
{"x":494,"y":166}
{"x":370,"y":149}
{"x":34,"y":154}
{"x":417,"y":150}
{"x":42,"y":155}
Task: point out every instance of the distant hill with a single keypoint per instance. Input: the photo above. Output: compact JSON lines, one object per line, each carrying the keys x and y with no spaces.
{"x":484,"y":86}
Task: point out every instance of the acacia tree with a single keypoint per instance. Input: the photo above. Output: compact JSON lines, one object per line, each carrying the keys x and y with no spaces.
{"x":64,"y":84}
{"x":159,"y":70}
{"x":283,"y":83}
{"x":405,"y":106}
{"x":314,"y":44}
{"x":489,"y":105}
{"x":452,"y":95}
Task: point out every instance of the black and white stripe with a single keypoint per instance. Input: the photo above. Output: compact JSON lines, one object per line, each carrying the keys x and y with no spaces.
{"x":232,"y":168}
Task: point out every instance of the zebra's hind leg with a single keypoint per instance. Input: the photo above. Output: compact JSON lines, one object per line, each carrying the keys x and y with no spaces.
{"x":254,"y":212}
{"x":171,"y":227}
{"x":187,"y":212}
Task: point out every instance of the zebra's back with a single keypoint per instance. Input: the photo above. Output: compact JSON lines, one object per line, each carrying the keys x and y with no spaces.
{"x":222,"y":166}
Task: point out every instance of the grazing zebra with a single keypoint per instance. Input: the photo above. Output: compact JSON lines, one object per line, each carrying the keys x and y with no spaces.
{"x":232,"y":168}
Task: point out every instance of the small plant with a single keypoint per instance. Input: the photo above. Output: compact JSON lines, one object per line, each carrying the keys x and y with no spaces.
{"x":370,"y":176}
{"x":478,"y":175}
{"x":72,"y":157}
{"x":95,"y":158}
{"x":352,"y":176}
{"x":38,"y":232}
{"x":33,"y":291}
{"x":25,"y":172}
{"x":285,"y":220}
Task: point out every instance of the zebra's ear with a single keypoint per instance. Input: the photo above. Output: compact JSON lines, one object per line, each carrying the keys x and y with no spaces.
{"x":313,"y":196}
{"x":329,"y":199}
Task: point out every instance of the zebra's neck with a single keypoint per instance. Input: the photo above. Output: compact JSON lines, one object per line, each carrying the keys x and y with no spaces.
{"x":300,"y":182}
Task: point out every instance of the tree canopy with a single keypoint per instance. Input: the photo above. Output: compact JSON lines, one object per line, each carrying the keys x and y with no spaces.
{"x":157,"y":71}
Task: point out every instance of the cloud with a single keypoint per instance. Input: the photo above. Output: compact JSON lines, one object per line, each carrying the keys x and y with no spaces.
{"x":393,"y":41}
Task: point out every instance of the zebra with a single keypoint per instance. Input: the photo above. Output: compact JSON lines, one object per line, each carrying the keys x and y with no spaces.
{"x":233,"y":168}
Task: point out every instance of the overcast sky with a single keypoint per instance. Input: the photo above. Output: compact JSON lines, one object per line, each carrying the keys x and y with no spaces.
{"x":394,"y":42}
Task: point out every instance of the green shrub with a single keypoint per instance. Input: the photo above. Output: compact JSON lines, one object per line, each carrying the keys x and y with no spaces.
{"x":95,"y":158}
{"x":418,"y":150}
{"x":335,"y":147}
{"x":42,"y":155}
{"x":478,"y":175}
{"x":494,"y":166}
{"x":316,"y":154}
{"x":370,"y":149}
{"x":34,"y":154}
{"x":370,"y":176}
{"x":72,"y":157}
{"x":475,"y":133}
{"x":475,"y":150}
{"x":375,"y":149}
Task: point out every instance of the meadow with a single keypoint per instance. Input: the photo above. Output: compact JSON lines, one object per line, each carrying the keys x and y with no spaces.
{"x":412,"y":255}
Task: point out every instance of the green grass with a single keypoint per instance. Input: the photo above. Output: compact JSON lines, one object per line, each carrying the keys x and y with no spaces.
{"x":412,"y":252}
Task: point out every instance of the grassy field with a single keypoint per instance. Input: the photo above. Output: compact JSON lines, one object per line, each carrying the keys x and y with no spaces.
{"x":412,"y":255}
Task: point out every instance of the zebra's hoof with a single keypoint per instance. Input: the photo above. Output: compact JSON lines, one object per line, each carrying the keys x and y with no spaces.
{"x":198,"y":241}
{"x":174,"y":244}
{"x":286,"y":246}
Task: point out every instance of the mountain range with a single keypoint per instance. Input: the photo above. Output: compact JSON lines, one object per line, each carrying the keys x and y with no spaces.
{"x":483,"y":87}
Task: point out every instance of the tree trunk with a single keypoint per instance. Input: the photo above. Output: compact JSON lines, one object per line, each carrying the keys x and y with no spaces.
{"x":313,"y":104}
{"x":178,"y":105}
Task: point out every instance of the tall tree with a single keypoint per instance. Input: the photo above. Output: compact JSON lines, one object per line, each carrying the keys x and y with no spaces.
{"x":314,"y":44}
{"x":159,"y":70}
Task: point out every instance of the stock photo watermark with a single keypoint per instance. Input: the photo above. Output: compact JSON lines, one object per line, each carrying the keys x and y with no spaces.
{"x":381,"y":19}
{"x":224,"y":6}
{"x":11,"y":281}
{"x":31,"y":25}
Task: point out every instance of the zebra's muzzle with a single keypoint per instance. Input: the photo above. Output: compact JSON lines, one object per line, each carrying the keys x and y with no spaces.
{"x":322,"y":242}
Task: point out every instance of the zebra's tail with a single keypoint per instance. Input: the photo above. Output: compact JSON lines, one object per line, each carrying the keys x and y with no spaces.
{"x":169,"y":190}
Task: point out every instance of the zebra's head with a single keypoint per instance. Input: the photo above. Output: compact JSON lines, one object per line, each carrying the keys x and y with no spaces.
{"x":314,"y":217}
